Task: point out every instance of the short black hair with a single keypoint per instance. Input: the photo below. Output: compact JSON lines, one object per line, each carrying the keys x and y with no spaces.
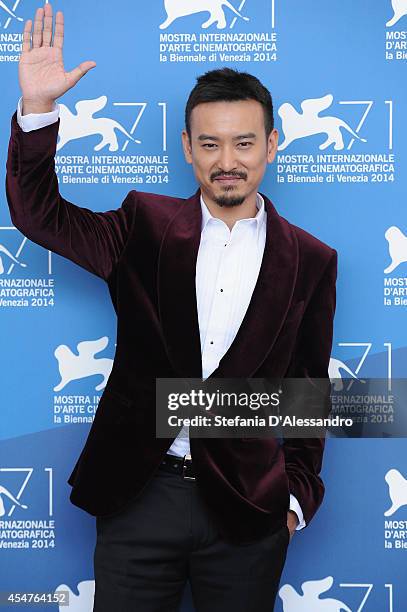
{"x":228,"y":85}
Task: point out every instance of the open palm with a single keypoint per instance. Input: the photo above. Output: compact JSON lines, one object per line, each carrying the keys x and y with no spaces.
{"x":42,"y":75}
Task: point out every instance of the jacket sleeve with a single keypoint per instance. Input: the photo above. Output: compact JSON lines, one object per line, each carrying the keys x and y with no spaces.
{"x":303,"y":456}
{"x":93,"y":240}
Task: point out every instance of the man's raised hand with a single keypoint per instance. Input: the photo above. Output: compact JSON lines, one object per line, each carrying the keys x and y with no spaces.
{"x":41,"y":69}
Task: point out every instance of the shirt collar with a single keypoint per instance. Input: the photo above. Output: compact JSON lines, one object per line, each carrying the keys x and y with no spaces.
{"x":258,"y":219}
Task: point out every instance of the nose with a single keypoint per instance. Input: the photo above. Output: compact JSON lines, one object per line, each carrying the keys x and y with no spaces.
{"x":227,"y":159}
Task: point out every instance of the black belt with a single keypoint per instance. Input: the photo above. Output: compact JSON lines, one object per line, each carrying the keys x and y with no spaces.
{"x":179,"y":465}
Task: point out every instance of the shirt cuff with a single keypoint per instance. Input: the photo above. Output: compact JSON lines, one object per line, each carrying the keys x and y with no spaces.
{"x":295,"y":506}
{"x":35,"y":121}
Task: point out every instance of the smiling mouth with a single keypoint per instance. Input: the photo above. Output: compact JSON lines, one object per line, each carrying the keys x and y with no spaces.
{"x":228,"y":179}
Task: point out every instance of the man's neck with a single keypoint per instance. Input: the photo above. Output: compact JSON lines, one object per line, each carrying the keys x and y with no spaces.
{"x":231,"y":214}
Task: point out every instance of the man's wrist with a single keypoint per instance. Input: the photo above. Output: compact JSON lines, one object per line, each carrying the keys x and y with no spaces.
{"x":295,"y":517}
{"x":36,"y":106}
{"x":35,"y":121}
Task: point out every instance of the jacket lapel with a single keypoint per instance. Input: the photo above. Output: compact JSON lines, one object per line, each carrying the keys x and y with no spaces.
{"x":270,"y":301}
{"x":176,"y":289}
{"x":267,"y":309}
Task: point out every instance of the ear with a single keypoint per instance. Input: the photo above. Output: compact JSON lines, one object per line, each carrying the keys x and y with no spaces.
{"x":272,"y":144}
{"x":186,"y":144}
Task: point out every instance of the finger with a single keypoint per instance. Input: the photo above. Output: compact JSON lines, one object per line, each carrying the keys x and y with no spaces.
{"x":27,"y":36}
{"x":47,"y":33}
{"x":37,"y":35}
{"x":59,"y":30}
{"x":80,"y":71}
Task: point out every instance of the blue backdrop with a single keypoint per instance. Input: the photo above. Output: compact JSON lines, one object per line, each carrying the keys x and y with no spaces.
{"x":337,"y":72}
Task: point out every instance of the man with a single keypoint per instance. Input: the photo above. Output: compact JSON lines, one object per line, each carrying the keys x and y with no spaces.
{"x":218,"y":285}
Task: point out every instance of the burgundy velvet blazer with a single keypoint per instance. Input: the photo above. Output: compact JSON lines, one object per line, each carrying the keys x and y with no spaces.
{"x":146,"y":251}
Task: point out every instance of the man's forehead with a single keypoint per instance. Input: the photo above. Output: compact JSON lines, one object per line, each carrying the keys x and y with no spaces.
{"x":242,"y":116}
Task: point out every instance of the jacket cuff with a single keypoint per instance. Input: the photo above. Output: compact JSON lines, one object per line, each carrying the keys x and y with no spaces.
{"x":42,"y":140}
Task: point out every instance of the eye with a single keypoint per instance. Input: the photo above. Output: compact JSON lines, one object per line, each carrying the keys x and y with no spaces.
{"x":245,"y":144}
{"x":209,"y":145}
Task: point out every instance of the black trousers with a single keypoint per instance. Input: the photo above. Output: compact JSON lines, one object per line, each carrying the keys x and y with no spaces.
{"x":145,"y":555}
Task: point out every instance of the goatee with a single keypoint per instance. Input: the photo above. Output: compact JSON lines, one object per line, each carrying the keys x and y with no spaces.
{"x":229,"y":200}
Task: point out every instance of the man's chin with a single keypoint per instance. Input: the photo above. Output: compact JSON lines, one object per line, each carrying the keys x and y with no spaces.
{"x":229,"y":198}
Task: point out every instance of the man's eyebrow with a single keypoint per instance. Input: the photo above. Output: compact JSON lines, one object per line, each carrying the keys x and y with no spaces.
{"x":215,"y":138}
{"x":207,"y":137}
{"x":243,"y":136}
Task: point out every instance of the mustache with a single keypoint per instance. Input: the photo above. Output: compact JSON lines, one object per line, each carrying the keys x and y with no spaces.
{"x":215,"y":175}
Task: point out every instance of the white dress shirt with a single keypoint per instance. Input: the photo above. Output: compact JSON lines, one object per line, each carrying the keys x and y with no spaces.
{"x":227,"y":267}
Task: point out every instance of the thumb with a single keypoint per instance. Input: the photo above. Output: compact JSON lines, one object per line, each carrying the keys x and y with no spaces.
{"x":78,"y":72}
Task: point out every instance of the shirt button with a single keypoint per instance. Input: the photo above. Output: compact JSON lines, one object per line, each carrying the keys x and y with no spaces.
{"x":222,"y":290}
{"x":211,"y":342}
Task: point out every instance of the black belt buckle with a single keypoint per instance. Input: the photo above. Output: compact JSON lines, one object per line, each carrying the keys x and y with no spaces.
{"x":187,"y":468}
